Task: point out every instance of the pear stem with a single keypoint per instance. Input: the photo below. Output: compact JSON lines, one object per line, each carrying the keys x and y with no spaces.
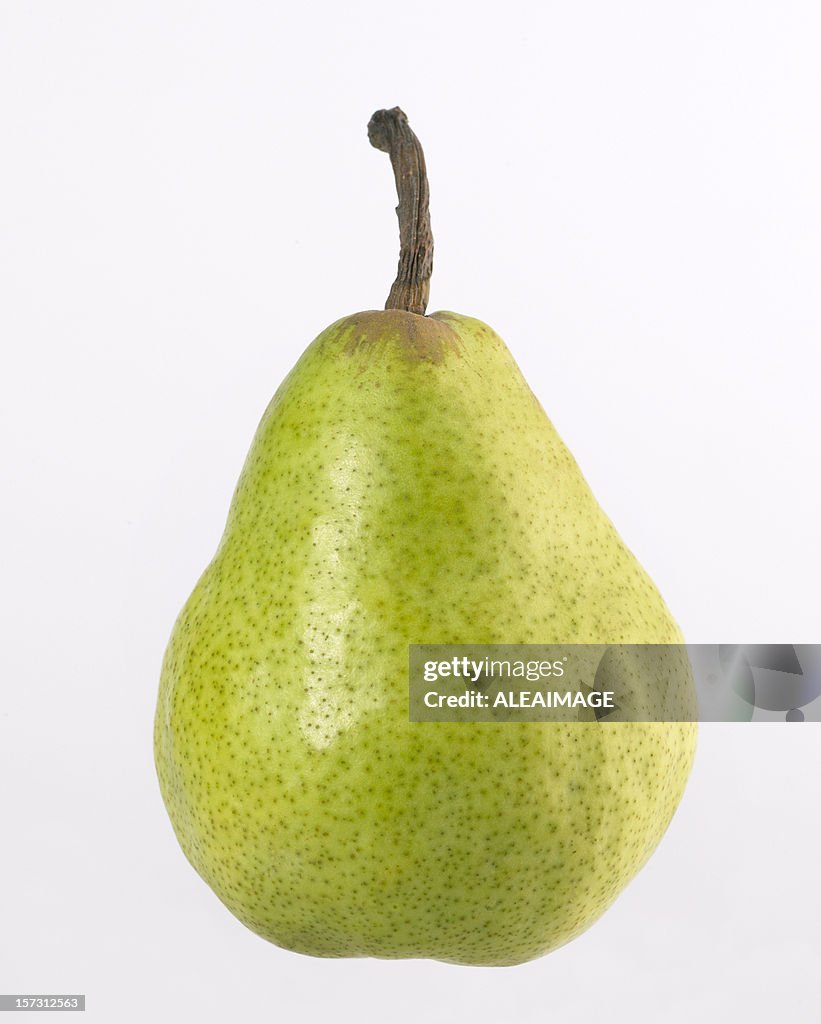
{"x":389,"y":131}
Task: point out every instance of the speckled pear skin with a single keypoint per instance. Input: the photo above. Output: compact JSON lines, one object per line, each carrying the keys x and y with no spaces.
{"x":405,"y":486}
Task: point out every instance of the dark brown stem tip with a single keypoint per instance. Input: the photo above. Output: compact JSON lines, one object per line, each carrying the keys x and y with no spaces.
{"x":389,"y":131}
{"x":384,"y":126}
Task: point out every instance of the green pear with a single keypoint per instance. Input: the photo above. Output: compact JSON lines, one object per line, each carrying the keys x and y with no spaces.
{"x":405,"y":486}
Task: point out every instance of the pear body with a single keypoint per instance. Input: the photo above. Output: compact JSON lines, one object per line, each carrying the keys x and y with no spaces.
{"x":405,"y":486}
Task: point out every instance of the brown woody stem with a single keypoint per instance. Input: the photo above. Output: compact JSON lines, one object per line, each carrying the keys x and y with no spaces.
{"x":389,"y":131}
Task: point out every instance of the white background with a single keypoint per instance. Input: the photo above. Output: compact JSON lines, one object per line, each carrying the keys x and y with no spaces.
{"x":631,"y":195}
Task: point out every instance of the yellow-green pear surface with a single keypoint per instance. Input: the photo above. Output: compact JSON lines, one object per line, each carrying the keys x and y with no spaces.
{"x":405,"y":486}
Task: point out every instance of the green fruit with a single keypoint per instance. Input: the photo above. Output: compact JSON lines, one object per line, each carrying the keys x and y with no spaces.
{"x":405,"y":486}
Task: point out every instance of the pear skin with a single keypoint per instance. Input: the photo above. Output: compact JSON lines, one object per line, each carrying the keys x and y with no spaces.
{"x":405,"y":486}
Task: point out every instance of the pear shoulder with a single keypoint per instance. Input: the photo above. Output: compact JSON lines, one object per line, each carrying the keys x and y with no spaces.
{"x":425,"y":339}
